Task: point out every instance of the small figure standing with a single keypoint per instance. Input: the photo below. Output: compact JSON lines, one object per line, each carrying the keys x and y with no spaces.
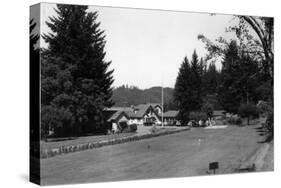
{"x":114,"y":127}
{"x":200,"y":123}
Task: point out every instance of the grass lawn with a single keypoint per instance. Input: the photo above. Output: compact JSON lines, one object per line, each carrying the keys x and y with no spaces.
{"x":183,"y":154}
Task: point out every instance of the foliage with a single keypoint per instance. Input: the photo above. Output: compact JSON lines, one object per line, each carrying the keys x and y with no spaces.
{"x":197,"y":116}
{"x":255,"y":36}
{"x":265,"y":91}
{"x":208,"y":109}
{"x":264,"y":107}
{"x":248,"y":111}
{"x":228,"y":92}
{"x":75,"y":78}
{"x":269,"y":124}
{"x":234,"y":120}
{"x":34,"y":79}
{"x":213,"y":99}
{"x":210,"y":80}
{"x":239,"y":79}
{"x":255,"y":42}
{"x":132,"y":128}
{"x":123,"y":125}
{"x":153,"y":129}
{"x":188,"y":93}
{"x":260,"y":47}
{"x":56,"y":119}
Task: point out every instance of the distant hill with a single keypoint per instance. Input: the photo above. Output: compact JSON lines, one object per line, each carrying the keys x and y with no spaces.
{"x":127,"y":96}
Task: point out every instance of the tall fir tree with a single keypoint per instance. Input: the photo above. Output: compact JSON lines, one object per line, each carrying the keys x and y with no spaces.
{"x":34,"y":80}
{"x":76,"y":82}
{"x":182,"y":91}
{"x":229,"y":94}
{"x":196,"y":82}
{"x":188,"y":94}
{"x":211,"y":79}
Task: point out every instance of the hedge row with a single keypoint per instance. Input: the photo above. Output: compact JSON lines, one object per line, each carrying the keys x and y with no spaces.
{"x":80,"y":147}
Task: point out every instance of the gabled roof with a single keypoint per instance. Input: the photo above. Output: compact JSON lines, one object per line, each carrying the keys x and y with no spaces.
{"x":154,"y":105}
{"x":117,"y":115}
{"x":131,"y":114}
{"x":171,"y":114}
{"x":141,"y":110}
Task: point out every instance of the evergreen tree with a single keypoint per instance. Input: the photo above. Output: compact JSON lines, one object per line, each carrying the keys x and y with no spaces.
{"x":34,"y":80}
{"x":211,"y":79}
{"x":195,"y":81}
{"x":240,"y":78}
{"x":33,"y":38}
{"x":229,"y":94}
{"x":187,"y":92}
{"x":182,"y":91}
{"x":248,"y":80}
{"x":76,"y":82}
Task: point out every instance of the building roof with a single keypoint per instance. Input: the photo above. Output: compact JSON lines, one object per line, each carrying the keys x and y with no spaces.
{"x":116,"y":115}
{"x":142,"y":109}
{"x":133,"y":112}
{"x":171,"y":114}
{"x":155,"y":104}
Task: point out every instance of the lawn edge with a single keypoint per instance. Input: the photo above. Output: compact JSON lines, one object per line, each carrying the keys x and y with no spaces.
{"x":47,"y":153}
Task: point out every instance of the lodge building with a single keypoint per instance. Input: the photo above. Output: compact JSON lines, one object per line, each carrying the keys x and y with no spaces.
{"x":140,"y":114}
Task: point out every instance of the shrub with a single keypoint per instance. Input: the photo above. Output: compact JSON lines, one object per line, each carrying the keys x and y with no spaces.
{"x":208,"y":109}
{"x":234,"y":120}
{"x":264,"y":108}
{"x":123,"y":125}
{"x":269,"y":122}
{"x":58,"y":119}
{"x":132,"y":128}
{"x":198,"y":116}
{"x":248,"y":111}
{"x":153,"y":129}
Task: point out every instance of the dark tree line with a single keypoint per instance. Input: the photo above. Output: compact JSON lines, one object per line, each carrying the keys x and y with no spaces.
{"x":245,"y":78}
{"x":75,"y":78}
{"x":34,"y":76}
{"x":196,"y":87}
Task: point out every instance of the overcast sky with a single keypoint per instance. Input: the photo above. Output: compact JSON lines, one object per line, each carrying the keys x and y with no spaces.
{"x":146,"y":47}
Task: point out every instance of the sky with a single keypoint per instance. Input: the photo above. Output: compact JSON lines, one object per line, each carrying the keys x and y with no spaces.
{"x":147,"y":47}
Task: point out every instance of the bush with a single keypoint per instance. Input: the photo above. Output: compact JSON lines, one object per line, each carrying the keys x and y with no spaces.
{"x":132,"y":128}
{"x":269,"y":122}
{"x":60,"y":120}
{"x":153,"y":129}
{"x":208,"y":109}
{"x":234,"y":120}
{"x":248,"y":111}
{"x":198,"y":116}
{"x":264,"y":108}
{"x":123,"y":125}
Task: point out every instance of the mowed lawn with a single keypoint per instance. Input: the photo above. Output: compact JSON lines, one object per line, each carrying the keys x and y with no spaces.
{"x":183,"y":154}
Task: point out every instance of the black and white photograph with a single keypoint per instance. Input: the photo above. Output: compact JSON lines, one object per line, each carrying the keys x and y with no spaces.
{"x":120,"y":94}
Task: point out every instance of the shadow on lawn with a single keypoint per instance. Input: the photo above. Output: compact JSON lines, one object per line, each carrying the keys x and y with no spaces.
{"x":60,"y":139}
